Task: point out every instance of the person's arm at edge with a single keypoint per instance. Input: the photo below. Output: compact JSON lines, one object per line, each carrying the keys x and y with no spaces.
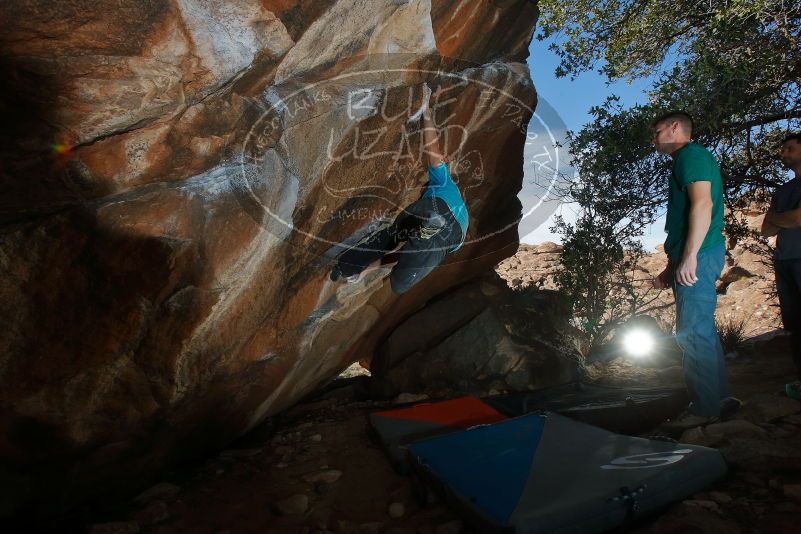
{"x":768,"y":229}
{"x":774,"y":221}
{"x":700,"y":217}
{"x":431,"y":141}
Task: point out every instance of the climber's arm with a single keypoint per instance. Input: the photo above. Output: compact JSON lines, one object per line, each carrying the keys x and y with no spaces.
{"x":431,"y":149}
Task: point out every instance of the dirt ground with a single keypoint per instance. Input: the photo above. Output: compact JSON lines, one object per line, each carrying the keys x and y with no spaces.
{"x":315,"y":469}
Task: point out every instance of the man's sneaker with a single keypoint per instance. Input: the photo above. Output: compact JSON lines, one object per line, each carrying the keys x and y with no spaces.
{"x":729,"y":406}
{"x":793,"y":390}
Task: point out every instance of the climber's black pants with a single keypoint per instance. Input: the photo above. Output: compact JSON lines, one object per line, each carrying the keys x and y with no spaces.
{"x":429,"y":231}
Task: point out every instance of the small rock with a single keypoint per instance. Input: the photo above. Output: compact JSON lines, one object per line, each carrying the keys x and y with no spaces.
{"x":316,"y":437}
{"x":118,"y":527}
{"x":405,"y":398}
{"x":294,"y":505}
{"x":792,"y":492}
{"x":451,"y":527}
{"x":328,"y":476}
{"x":162,"y":490}
{"x":281,"y":465}
{"x":396,"y":510}
{"x":284,"y":449}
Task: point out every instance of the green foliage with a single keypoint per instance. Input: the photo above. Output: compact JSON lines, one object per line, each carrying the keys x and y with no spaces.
{"x":734,"y":65}
{"x":732,"y":334}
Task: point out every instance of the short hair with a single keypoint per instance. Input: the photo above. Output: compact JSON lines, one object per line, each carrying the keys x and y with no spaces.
{"x":796,"y":136}
{"x":682,"y":117}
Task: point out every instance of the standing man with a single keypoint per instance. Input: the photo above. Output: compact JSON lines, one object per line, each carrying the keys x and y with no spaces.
{"x":783,"y":220}
{"x":695,"y":250}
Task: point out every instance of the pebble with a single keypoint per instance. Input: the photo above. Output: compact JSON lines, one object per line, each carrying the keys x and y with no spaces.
{"x":294,"y":505}
{"x":316,"y":437}
{"x":396,"y":510}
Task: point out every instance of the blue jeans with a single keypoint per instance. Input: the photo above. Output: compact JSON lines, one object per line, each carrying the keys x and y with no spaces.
{"x":697,"y":335}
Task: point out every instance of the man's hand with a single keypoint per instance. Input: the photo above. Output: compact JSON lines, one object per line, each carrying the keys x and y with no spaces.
{"x":662,"y":280}
{"x":685,"y":271}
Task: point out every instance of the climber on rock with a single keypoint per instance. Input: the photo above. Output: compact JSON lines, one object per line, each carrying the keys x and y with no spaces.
{"x":427,"y":230}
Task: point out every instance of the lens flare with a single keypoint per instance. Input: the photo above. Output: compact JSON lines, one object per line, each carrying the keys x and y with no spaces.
{"x":61,"y":150}
{"x":638,"y":343}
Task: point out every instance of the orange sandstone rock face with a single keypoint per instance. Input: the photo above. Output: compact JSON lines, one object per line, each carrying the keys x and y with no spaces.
{"x":175,"y":176}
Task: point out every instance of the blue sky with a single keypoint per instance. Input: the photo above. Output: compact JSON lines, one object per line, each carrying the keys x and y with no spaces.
{"x":572,"y":101}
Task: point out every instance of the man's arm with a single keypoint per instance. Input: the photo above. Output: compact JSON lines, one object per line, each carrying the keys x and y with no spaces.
{"x":700,"y":217}
{"x":768,"y":229}
{"x":431,"y":141}
{"x":774,"y":221}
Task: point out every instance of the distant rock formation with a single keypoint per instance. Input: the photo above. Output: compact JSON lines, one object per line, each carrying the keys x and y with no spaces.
{"x":175,"y":174}
{"x":746,"y":290}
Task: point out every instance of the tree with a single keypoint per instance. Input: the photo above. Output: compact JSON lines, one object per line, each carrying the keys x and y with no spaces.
{"x":598,"y":265}
{"x":734,"y":65}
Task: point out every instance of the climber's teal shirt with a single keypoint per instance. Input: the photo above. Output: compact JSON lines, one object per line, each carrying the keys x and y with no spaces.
{"x":441,"y":185}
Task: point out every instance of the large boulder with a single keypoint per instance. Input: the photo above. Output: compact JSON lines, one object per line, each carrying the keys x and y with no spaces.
{"x":175,"y":174}
{"x":481,"y":338}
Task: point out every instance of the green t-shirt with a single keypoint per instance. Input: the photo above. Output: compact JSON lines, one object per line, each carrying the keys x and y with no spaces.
{"x":693,"y":163}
